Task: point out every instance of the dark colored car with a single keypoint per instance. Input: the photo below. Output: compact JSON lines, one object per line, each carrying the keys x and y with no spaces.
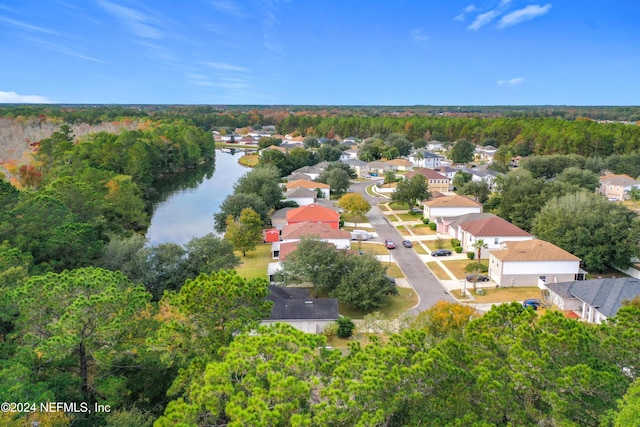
{"x":533,"y":303}
{"x":389,"y":244}
{"x":407,"y":244}
{"x":391,"y":279}
{"x":477,"y":278}
{"x":441,"y":252}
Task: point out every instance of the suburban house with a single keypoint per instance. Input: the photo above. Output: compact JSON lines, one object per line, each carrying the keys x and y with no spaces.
{"x":447,"y":171}
{"x":401,"y":164}
{"x":449,"y":225}
{"x":325,"y":189}
{"x":279,"y":218}
{"x":302,"y":196}
{"x":486,"y":152}
{"x":488,"y":176}
{"x":436,"y":181}
{"x":378,"y":168}
{"x":425,"y":159}
{"x":617,"y":186}
{"x":295,"y":307}
{"x":435,"y":145}
{"x":449,"y":206}
{"x":297,"y":176}
{"x":314,"y":213}
{"x":274,"y":147}
{"x":530,"y":262}
{"x":493,"y":231}
{"x":593,"y":300}
{"x":312,"y":171}
{"x":341,"y":239}
{"x":358,"y":166}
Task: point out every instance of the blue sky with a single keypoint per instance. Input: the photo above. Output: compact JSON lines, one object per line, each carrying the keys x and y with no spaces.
{"x":321,"y":52}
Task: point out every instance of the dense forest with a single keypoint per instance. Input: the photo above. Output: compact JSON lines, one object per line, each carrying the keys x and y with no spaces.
{"x":168,"y":334}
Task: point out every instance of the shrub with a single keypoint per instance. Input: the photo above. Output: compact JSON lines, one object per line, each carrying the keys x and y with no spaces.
{"x":330,"y":330}
{"x":345,"y":327}
{"x":455,"y":242}
{"x":471,"y":255}
{"x":341,"y":223}
{"x":458,"y":249}
{"x":475,"y":267}
{"x":432,"y":225}
{"x":425,"y":220}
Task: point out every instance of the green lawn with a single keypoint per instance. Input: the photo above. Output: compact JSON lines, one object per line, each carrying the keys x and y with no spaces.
{"x":409,"y":217}
{"x":370,"y":248}
{"x":393,"y":307}
{"x":504,"y":294}
{"x":433,"y":244}
{"x":398,"y":207}
{"x":419,"y":249}
{"x":457,"y":266}
{"x":255,"y":263}
{"x":438,"y":271}
{"x":423,"y":230}
{"x":394,"y":271}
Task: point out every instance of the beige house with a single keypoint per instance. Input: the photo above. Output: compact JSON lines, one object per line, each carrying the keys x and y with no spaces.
{"x":435,"y":180}
{"x":531,"y":262}
{"x":325,"y":189}
{"x":401,"y":164}
{"x":617,"y":186}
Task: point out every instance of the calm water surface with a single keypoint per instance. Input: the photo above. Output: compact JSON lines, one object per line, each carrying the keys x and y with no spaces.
{"x":193,"y":198}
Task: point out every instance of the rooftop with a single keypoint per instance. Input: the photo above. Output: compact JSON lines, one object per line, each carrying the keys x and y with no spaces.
{"x":452,"y":201}
{"x":318,"y":229}
{"x":533,"y":250}
{"x":295,"y":303}
{"x":493,"y":226}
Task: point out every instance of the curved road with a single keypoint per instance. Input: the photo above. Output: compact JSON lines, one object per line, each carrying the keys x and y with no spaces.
{"x":419,"y":276}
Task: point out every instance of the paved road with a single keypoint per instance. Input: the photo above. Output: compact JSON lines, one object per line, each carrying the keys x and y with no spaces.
{"x":419,"y":276}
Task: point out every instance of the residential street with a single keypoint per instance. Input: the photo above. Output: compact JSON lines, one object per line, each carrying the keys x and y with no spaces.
{"x":426,"y":285}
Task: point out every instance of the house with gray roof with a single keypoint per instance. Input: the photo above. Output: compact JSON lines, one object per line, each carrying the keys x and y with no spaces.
{"x":425,"y":159}
{"x":297,"y":308}
{"x":593,"y":300}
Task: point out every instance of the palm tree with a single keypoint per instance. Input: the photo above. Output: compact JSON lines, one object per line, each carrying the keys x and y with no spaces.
{"x":480,"y":245}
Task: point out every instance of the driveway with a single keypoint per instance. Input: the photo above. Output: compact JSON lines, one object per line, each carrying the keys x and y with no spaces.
{"x":426,"y":285}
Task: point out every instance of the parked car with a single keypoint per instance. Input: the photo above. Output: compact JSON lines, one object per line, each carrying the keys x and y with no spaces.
{"x":477,"y":277}
{"x":441,"y":252}
{"x":532,"y":302}
{"x":391,"y":279}
{"x":389,"y":244}
{"x":407,"y":243}
{"x":416,"y":210}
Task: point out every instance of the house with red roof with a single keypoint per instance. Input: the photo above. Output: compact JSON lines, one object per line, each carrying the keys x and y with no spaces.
{"x":435,"y":180}
{"x":341,"y":239}
{"x":314,"y":213}
{"x":492,"y":230}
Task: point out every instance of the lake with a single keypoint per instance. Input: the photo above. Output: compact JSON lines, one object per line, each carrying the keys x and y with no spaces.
{"x":190,"y":199}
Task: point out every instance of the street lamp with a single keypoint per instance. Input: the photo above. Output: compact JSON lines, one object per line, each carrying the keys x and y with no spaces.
{"x":464,"y":288}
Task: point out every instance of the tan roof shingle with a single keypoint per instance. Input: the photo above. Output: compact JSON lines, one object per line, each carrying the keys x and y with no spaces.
{"x":533,"y":250}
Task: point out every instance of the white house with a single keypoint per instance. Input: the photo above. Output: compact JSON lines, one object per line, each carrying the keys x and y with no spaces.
{"x":450,"y":206}
{"x":593,"y":300}
{"x":425,"y":159}
{"x":488,"y":176}
{"x":295,"y":307}
{"x":493,"y":231}
{"x":528,"y":262}
{"x":435,"y":145}
{"x":302,"y":196}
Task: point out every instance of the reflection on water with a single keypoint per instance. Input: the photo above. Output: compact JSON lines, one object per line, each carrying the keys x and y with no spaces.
{"x":190,"y":199}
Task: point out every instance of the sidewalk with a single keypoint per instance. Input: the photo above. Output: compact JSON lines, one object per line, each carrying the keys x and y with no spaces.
{"x":450,"y":285}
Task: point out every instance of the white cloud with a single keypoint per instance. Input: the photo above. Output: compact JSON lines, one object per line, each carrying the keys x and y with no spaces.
{"x":138,"y":23}
{"x":229,"y":7}
{"x":483,"y":19}
{"x":14,"y":98}
{"x":522,"y":15}
{"x":225,"y":66}
{"x":512,"y":82}
{"x":469,"y":9}
{"x":418,"y":35}
{"x":27,"y":27}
